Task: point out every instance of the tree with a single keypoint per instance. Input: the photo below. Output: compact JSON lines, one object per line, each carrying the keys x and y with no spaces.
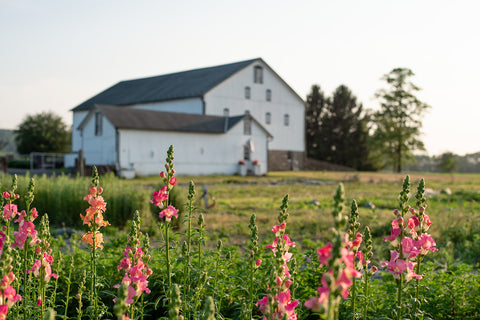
{"x":448,"y":162}
{"x":315,"y":107}
{"x":43,"y":132}
{"x":398,"y":122}
{"x":344,"y":131}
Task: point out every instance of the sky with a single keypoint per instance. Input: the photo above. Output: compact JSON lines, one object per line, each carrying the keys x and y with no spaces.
{"x":56,"y":54}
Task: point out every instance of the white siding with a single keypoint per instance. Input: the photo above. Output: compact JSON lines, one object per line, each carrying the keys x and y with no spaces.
{"x":193,"y":105}
{"x":78,"y":117}
{"x":99,"y":150}
{"x":231,"y":94}
{"x":195,"y":154}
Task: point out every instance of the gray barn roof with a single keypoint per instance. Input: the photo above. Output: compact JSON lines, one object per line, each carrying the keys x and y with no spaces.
{"x":137,"y":119}
{"x":180,"y":85}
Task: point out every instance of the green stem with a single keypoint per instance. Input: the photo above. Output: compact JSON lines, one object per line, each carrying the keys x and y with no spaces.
{"x":42,"y":293}
{"x":354,"y":295}
{"x":200,"y":251}
{"x":53,"y":300}
{"x":365,"y":306}
{"x":26,"y":293}
{"x":417,"y":286}
{"x":67,"y":298}
{"x":142,"y":307}
{"x":94,"y":276}
{"x":250,"y":291}
{"x":330,"y":308}
{"x":167,"y":244}
{"x":186,"y":279}
{"x":399,"y":297}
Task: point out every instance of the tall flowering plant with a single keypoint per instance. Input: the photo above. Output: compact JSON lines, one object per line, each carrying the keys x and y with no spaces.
{"x":364,"y":256}
{"x":8,"y":294}
{"x":135,"y":268}
{"x":339,"y":260}
{"x":10,"y":210}
{"x":26,"y":238}
{"x":278,"y":304}
{"x":94,"y":220}
{"x":410,"y":241}
{"x":167,"y":211}
{"x":42,"y":267}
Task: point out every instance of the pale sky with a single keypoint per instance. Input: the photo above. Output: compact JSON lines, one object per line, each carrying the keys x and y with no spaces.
{"x":56,"y":54}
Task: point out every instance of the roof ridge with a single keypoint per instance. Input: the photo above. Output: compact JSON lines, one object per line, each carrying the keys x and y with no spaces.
{"x":190,"y":70}
{"x":171,"y":86}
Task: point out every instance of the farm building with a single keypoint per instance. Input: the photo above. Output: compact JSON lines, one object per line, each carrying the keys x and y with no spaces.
{"x":222,"y":119}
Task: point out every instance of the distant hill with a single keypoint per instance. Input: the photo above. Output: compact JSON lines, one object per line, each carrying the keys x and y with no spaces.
{"x":7,"y":142}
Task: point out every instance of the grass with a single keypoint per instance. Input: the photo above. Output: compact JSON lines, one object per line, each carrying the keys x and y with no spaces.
{"x":310,"y":201}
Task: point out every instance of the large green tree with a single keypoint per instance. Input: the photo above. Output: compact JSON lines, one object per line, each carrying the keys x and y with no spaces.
{"x":315,"y":107}
{"x":42,"y":132}
{"x":344,"y":131}
{"x":448,"y":162}
{"x":398,"y":122}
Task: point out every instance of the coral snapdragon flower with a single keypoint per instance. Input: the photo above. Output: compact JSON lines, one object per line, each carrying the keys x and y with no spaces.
{"x":88,"y":238}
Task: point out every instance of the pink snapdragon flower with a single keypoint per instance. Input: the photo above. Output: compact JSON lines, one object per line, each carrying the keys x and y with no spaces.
{"x":136,"y":273}
{"x":355,"y":244}
{"x":325,"y":253}
{"x":409,"y":248}
{"x":398,"y":266}
{"x":9,"y":211}
{"x":43,"y":264}
{"x":426,"y":243}
{"x":8,"y":294}
{"x":159,"y":197}
{"x":26,"y":229}
{"x":169,"y":213}
{"x":279,"y":228}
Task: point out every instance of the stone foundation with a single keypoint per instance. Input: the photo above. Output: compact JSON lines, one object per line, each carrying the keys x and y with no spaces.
{"x":280,"y":160}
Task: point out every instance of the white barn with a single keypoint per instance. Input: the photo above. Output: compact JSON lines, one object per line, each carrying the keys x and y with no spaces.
{"x":215,"y":117}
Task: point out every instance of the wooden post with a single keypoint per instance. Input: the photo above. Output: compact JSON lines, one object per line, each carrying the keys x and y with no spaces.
{"x":81,"y":163}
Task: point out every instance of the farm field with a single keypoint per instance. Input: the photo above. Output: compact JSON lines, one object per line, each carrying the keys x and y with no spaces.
{"x":221,"y":247}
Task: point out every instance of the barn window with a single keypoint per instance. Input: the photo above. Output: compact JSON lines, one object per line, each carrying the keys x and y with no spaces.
{"x":268,"y":118}
{"x":247,"y":92}
{"x":247,"y":125}
{"x":268,"y":95}
{"x":98,"y":124}
{"x":258,"y":74}
{"x":286,"y":120}
{"x":226,"y":112}
{"x":246,"y":152}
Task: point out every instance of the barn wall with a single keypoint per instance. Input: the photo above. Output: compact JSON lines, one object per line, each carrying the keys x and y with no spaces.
{"x":78,"y":117}
{"x":99,"y":150}
{"x":231,"y":94}
{"x":195,"y":153}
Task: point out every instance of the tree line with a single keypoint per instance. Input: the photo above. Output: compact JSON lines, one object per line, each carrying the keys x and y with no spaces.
{"x":339,"y":130}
